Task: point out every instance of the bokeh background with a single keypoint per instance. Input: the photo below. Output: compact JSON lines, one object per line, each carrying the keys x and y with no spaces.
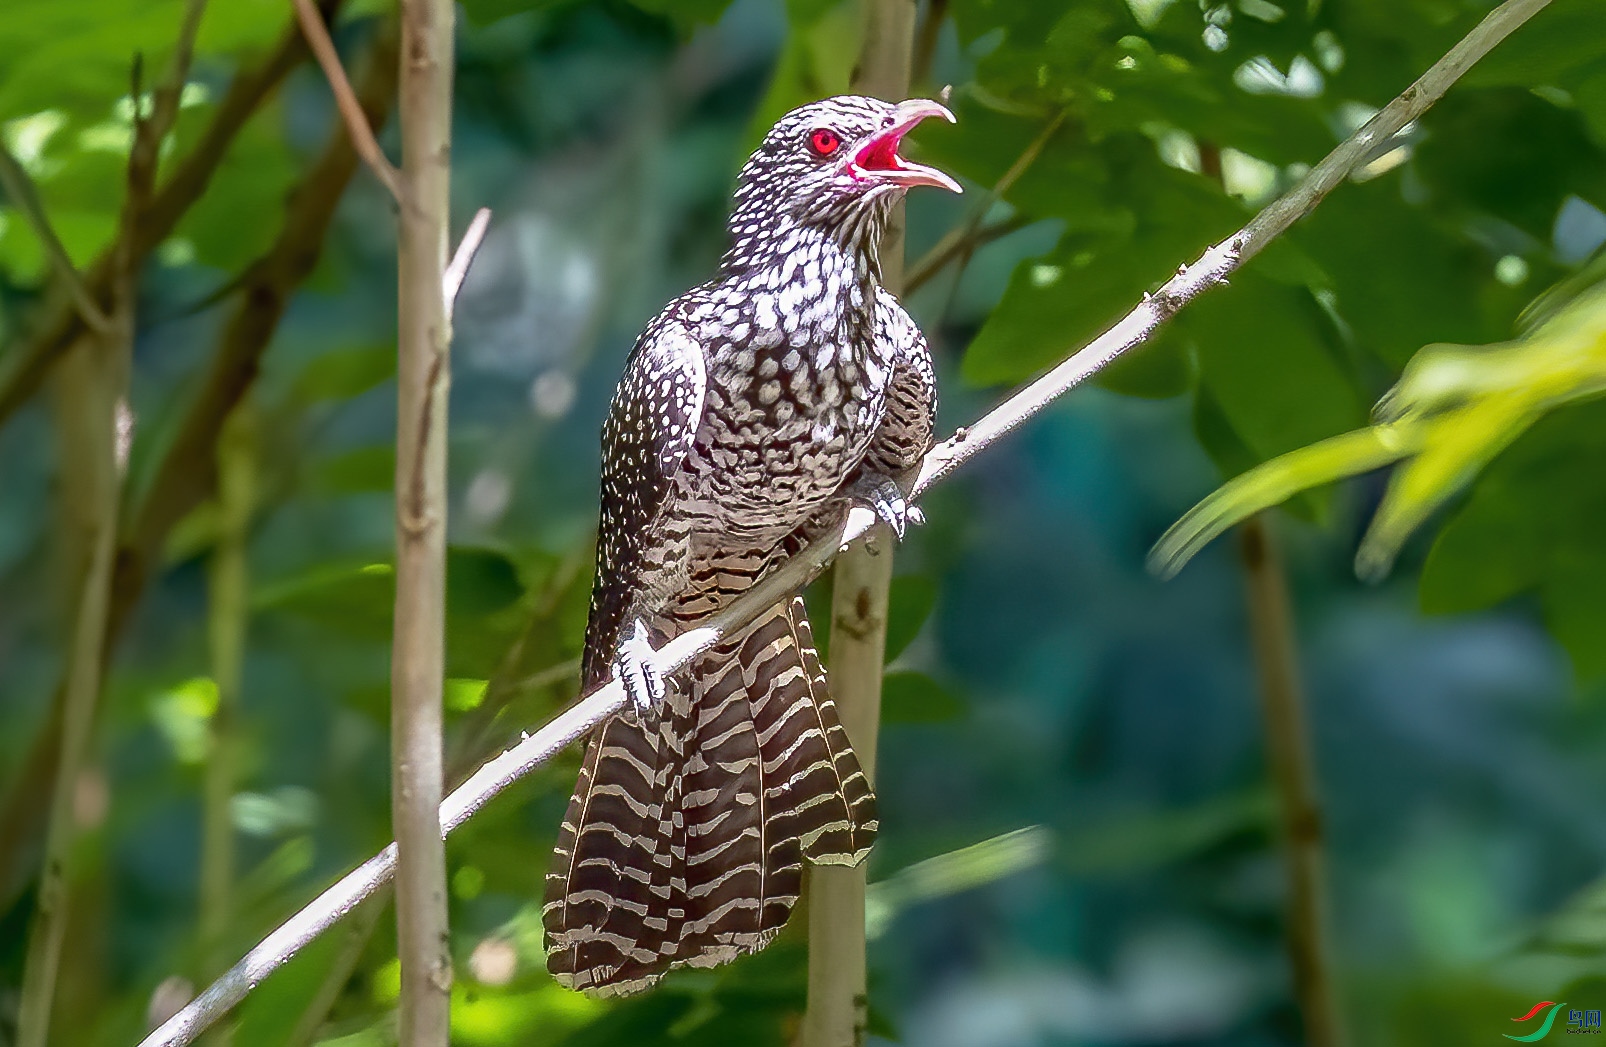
{"x":1047,"y":694}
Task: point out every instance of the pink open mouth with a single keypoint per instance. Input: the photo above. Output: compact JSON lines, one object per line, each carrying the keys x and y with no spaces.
{"x":878,"y":157}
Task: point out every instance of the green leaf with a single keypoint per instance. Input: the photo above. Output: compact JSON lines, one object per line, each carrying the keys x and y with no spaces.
{"x":1056,"y":303}
{"x":1265,"y":358}
{"x":1555,"y":42}
{"x":1373,"y":245}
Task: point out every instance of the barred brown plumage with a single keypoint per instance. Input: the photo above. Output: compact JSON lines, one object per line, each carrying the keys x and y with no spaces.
{"x":752,"y":411}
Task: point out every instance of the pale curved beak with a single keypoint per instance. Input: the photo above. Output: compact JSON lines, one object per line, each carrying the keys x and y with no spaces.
{"x":878,"y":157}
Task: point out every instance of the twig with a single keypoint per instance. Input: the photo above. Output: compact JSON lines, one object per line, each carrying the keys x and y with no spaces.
{"x":20,"y":191}
{"x":351,"y":110}
{"x":24,"y":368}
{"x":467,"y":248}
{"x":423,"y":371}
{"x":1292,"y":770}
{"x":1213,"y":267}
{"x":960,"y":240}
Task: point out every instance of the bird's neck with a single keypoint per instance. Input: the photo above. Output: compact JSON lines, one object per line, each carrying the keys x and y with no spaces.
{"x":772,"y":250}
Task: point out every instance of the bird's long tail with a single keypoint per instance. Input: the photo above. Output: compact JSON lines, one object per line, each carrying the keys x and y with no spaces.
{"x":684,"y":845}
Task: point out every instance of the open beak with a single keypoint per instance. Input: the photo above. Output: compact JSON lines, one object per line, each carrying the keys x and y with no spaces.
{"x":877,"y":158}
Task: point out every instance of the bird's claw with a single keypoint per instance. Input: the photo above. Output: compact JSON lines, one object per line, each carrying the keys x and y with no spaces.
{"x":636,"y":666}
{"x":882,"y":494}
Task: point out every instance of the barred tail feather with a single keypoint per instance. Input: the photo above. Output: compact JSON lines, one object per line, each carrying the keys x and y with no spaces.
{"x":853,"y":783}
{"x":601,"y":915}
{"x":750,"y":773}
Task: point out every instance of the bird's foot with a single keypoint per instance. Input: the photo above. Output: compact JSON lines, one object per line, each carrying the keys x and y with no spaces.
{"x":636,"y":666}
{"x":886,"y":498}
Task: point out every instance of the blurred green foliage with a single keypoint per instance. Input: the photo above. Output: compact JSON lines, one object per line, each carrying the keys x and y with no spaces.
{"x":1079,"y":841}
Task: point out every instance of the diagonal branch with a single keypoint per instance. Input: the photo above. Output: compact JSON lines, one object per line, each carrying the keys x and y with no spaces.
{"x":351,"y":110}
{"x":24,"y":197}
{"x":1213,"y":267}
{"x":962,"y":240}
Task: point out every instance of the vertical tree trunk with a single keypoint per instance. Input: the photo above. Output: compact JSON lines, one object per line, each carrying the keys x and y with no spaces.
{"x":418,"y":652}
{"x":1271,"y":626}
{"x":837,"y":1000}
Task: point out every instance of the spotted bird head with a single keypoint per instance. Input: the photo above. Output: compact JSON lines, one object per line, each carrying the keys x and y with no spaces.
{"x":835,"y":164}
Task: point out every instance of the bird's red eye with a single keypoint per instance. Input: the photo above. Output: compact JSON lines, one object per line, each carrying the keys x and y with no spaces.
{"x":824,"y":141}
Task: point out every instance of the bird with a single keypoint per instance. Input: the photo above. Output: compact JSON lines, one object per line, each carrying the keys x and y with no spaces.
{"x":754,"y":411}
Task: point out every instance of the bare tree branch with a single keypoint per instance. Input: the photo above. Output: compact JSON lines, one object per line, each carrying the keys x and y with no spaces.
{"x":24,"y":197}
{"x":1213,"y":267}
{"x":467,"y":248}
{"x":351,"y":110}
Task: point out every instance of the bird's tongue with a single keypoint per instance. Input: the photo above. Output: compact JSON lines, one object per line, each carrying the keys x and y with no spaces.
{"x":878,"y":158}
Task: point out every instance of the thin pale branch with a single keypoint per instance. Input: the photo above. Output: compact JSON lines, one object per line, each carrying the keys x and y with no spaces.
{"x":1213,"y":267}
{"x":351,"y":113}
{"x":21,"y":192}
{"x":467,"y":248}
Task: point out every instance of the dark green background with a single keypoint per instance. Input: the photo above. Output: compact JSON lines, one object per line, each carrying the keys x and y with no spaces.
{"x":1043,"y":679}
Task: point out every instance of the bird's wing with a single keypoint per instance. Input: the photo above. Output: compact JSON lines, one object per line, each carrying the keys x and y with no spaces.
{"x":650,"y":428}
{"x":908,"y":428}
